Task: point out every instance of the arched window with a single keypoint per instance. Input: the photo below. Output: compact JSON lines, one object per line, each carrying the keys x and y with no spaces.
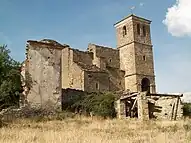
{"x":138,"y":29}
{"x":124,"y":31}
{"x":145,"y":84}
{"x":144,"y":30}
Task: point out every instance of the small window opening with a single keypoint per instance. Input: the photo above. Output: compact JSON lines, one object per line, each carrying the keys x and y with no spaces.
{"x":89,"y":75}
{"x":48,"y":57}
{"x":124,"y":31}
{"x":97,"y":86}
{"x":91,"y":50}
{"x":138,"y":29}
{"x":144,"y":31}
{"x":110,"y":60}
{"x":120,"y":83}
{"x":144,"y":58}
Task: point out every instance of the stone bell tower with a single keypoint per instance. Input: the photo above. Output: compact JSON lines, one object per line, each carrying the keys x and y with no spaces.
{"x":136,"y":55}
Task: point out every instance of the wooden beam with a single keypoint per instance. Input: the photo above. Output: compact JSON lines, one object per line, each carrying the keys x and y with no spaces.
{"x":134,"y":104}
{"x":128,"y":96}
{"x":159,"y":94}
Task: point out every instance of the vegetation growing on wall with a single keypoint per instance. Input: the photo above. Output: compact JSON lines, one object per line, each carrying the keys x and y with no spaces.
{"x":10,"y":81}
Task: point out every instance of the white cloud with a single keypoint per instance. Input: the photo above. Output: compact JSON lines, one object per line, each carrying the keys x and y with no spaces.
{"x":141,"y":4}
{"x":178,"y":18}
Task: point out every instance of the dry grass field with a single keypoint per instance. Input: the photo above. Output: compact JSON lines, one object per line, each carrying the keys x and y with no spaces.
{"x":86,"y":130}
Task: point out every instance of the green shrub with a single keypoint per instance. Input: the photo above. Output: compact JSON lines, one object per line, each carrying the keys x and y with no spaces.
{"x":100,"y":104}
{"x":187,"y":109}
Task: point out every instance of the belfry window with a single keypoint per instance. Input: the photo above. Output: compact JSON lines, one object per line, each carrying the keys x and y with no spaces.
{"x":138,"y":29}
{"x":124,"y":31}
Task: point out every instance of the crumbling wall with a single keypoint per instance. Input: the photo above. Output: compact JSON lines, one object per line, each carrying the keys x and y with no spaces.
{"x":76,"y":78}
{"x":104,"y":56}
{"x":72,"y":74}
{"x":66,"y":65}
{"x":169,"y":108}
{"x":157,"y":106}
{"x":44,"y":66}
{"x":83,"y":57}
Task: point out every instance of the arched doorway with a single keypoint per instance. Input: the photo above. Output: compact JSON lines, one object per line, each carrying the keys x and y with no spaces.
{"x":145,"y":85}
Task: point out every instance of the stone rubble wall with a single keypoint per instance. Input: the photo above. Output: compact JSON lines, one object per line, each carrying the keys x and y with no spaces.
{"x":156,"y":107}
{"x":169,"y":108}
{"x":43,"y":63}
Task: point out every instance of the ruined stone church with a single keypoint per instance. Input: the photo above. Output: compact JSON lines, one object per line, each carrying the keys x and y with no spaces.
{"x":127,"y":67}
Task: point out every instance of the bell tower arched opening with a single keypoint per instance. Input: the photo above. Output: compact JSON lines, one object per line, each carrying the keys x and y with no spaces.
{"x":145,"y":84}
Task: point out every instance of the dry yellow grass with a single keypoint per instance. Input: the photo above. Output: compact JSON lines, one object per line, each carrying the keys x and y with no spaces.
{"x":86,"y":130}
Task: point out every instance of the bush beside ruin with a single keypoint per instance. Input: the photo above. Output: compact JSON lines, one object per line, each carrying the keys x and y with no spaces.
{"x":98,"y":104}
{"x":187,"y":109}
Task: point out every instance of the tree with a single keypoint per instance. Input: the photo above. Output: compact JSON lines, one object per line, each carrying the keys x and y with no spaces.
{"x":10,"y":79}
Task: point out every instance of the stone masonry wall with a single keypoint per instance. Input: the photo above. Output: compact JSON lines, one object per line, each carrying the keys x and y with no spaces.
{"x":127,"y":63}
{"x":104,"y":56}
{"x":127,"y":59}
{"x":66,"y":63}
{"x":72,"y":74}
{"x":135,"y":51}
{"x":140,"y":38}
{"x":169,"y":108}
{"x":81,"y":56}
{"x":143,"y":108}
{"x":116,"y":79}
{"x":144,"y":59}
{"x":44,"y":66}
{"x":129,"y":38}
{"x":77,"y":77}
{"x":96,"y":81}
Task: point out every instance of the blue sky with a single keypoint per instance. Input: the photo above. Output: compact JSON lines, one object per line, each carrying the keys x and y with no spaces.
{"x":78,"y":23}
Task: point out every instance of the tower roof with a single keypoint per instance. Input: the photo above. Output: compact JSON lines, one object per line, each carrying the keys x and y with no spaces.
{"x":133,"y":17}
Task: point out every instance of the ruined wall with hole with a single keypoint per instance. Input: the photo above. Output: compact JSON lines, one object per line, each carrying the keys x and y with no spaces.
{"x":44,"y":66}
{"x":169,"y":108}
